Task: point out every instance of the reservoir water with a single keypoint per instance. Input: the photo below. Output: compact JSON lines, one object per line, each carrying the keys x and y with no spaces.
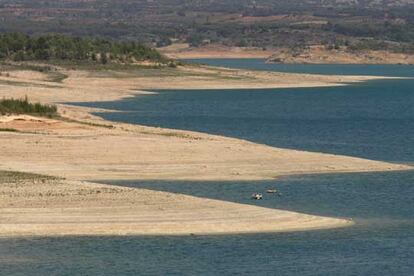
{"x":372,"y":120}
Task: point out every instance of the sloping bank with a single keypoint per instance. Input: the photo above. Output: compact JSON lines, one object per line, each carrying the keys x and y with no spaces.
{"x":97,"y":149}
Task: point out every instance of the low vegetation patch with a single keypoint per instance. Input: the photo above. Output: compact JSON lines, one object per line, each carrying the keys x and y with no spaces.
{"x":23,"y":106}
{"x":13,"y":177}
{"x":87,"y":123}
{"x":8,"y":130}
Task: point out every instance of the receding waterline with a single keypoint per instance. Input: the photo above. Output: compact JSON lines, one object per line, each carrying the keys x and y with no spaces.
{"x":373,"y":120}
{"x":381,"y":242}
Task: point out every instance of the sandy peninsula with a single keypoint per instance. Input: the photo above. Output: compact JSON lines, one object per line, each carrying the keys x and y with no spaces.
{"x":81,"y":147}
{"x":41,"y":206}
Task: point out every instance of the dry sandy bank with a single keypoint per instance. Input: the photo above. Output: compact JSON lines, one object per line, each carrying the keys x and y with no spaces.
{"x":109,"y":85}
{"x":316,"y":54}
{"x":82,"y":152}
{"x":45,"y":207}
{"x":97,"y":149}
{"x":184,"y":51}
{"x":86,"y":152}
{"x":321,"y":55}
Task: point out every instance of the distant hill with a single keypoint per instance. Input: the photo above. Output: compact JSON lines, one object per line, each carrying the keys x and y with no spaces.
{"x":296,"y":24}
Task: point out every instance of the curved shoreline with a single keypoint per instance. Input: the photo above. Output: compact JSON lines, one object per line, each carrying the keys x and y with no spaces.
{"x":120,"y":211}
{"x":85,"y":147}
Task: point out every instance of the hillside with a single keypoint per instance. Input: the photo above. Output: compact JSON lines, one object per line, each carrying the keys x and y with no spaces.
{"x":369,"y":25}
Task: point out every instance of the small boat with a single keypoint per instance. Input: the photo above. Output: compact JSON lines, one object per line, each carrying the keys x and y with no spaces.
{"x":274,"y":191}
{"x":257,"y":196}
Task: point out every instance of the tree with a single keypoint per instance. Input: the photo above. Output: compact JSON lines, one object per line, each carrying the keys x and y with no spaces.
{"x":104,"y":58}
{"x":22,"y":47}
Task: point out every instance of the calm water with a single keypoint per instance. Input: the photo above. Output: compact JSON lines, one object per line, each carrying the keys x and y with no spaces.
{"x":381,"y":243}
{"x":327,"y":69}
{"x":373,"y":120}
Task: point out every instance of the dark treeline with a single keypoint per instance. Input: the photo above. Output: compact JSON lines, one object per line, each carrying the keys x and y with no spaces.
{"x":21,"y":47}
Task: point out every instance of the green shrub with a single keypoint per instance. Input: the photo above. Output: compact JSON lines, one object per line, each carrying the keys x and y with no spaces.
{"x":23,"y":106}
{"x":8,"y":130}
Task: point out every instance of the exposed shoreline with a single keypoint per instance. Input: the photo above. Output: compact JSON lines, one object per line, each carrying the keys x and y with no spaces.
{"x":115,"y":151}
{"x":316,"y":54}
{"x":127,"y":211}
{"x":86,"y":147}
